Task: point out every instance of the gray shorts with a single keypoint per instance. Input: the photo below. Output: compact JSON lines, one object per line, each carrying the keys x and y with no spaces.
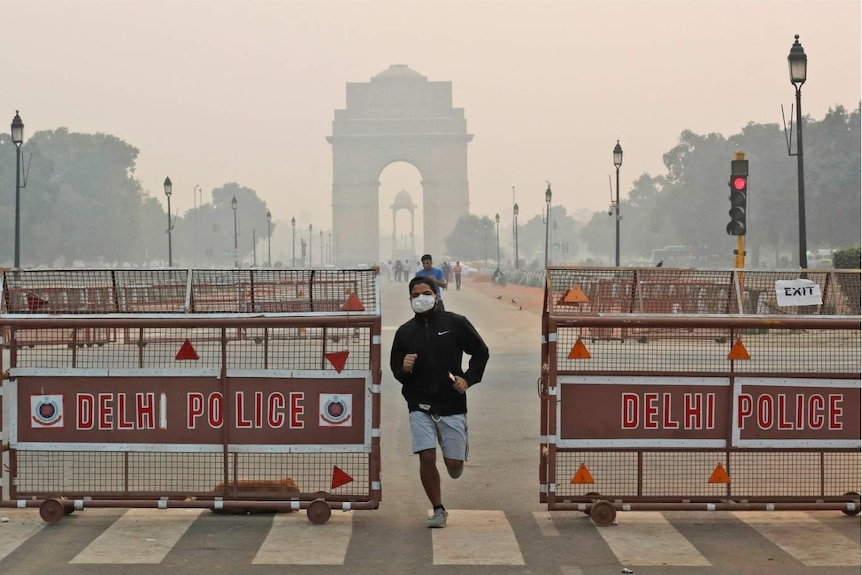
{"x":450,"y":430}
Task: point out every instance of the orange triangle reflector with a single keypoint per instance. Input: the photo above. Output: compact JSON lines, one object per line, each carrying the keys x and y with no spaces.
{"x":579,"y":351}
{"x":353,"y":303}
{"x":337,"y":359}
{"x":187,"y":351}
{"x":576,"y":295}
{"x":719,"y":475}
{"x":738,"y":351}
{"x":339,"y":477}
{"x":583,"y":475}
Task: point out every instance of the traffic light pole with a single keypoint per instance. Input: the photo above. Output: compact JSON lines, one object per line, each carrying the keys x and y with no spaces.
{"x":740,"y":252}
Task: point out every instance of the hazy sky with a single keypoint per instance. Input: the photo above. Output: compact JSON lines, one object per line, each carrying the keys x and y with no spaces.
{"x":212,"y":91}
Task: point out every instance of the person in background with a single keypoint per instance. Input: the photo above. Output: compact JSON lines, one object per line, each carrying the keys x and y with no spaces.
{"x":428,"y":270}
{"x":456,"y":270}
{"x":447,"y":273}
{"x":427,"y":357}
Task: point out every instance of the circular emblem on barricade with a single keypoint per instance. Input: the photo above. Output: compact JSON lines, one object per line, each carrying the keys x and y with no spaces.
{"x":47,"y":411}
{"x":336,"y":410}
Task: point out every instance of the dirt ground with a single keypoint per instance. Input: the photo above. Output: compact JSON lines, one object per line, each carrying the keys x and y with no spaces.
{"x":525,"y":297}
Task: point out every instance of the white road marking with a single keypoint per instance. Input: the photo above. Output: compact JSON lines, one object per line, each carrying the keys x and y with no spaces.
{"x":476,"y":537}
{"x":647,"y":538}
{"x":22,"y":525}
{"x":139,"y":536}
{"x":805,"y":538}
{"x":294,"y":540}
{"x":545,"y":521}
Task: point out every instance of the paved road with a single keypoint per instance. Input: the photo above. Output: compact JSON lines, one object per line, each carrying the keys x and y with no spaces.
{"x":496,"y":523}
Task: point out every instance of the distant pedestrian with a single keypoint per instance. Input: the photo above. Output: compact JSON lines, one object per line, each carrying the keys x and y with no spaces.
{"x":428,"y":270}
{"x":456,"y":269}
{"x":447,"y":273}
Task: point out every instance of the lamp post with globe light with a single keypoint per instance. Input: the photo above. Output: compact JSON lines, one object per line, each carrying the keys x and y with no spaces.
{"x":618,"y":161}
{"x":547,"y":221}
{"x":17,"y":139}
{"x":168,"y":191}
{"x":798,"y":63}
{"x":233,"y":206}
{"x":515,"y":211}
{"x":268,"y":238}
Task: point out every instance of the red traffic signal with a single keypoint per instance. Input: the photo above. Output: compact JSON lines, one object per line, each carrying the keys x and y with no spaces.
{"x":738,"y":200}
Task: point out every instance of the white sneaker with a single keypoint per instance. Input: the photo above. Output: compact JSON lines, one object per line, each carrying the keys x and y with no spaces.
{"x":438,"y":519}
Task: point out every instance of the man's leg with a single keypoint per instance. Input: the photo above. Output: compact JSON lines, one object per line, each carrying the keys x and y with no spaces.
{"x":430,"y":476}
{"x":455,"y":467}
{"x":454,"y":444}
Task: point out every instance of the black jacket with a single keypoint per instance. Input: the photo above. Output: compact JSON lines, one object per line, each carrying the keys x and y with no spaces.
{"x":439,"y":338}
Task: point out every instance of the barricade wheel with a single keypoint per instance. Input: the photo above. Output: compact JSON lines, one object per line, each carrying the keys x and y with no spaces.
{"x":594,"y":495}
{"x":603,"y":513}
{"x":52,"y":510}
{"x":318,"y":512}
{"x":855,"y":511}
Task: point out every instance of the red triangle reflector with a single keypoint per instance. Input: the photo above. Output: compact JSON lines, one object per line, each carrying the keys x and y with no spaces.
{"x":353,"y":303}
{"x":579,"y":351}
{"x":719,"y":475}
{"x":738,"y":351}
{"x":339,"y":477}
{"x":337,"y":359}
{"x":583,"y":475}
{"x":187,"y":351}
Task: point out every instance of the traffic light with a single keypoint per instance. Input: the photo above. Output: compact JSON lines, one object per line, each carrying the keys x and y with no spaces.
{"x":738,"y":197}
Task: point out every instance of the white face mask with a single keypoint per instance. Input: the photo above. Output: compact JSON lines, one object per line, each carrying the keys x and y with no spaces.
{"x":423,"y":303}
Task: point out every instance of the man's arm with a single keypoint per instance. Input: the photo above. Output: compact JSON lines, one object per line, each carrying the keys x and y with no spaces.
{"x":473,"y":345}
{"x":441,"y":279}
{"x":396,"y":360}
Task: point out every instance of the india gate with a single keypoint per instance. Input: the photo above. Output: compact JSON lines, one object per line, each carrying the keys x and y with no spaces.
{"x":399,"y":116}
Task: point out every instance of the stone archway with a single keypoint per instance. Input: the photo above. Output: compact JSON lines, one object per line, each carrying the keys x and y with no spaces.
{"x":398,"y":116}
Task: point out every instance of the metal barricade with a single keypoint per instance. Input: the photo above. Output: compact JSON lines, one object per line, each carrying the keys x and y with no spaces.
{"x":699,"y":404}
{"x":208,"y":401}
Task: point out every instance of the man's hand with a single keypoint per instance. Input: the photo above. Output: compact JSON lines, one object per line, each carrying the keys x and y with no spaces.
{"x":459,"y":383}
{"x":409,"y":362}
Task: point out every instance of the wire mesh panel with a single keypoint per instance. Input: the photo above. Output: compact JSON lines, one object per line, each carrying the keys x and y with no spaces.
{"x":667,"y":386}
{"x":585,"y":291}
{"x":148,"y":291}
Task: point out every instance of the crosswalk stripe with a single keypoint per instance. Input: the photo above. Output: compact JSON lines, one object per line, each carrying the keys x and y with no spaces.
{"x":808,"y":540}
{"x":294,"y":540}
{"x":647,"y":538}
{"x":22,"y":525}
{"x":545,"y":521}
{"x":139,"y":536}
{"x":476,"y":537}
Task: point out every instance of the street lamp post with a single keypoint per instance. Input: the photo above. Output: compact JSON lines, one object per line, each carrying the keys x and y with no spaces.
{"x":310,"y":228}
{"x":293,"y":226}
{"x":321,"y":248}
{"x":17,"y":139}
{"x":515,"y":210}
{"x":547,"y":221}
{"x":497,"y":222}
{"x":485,"y":241}
{"x":268,"y":238}
{"x":798,"y":63}
{"x":235,"y":241}
{"x":168,"y":191}
{"x":618,"y":161}
{"x":197,"y":217}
